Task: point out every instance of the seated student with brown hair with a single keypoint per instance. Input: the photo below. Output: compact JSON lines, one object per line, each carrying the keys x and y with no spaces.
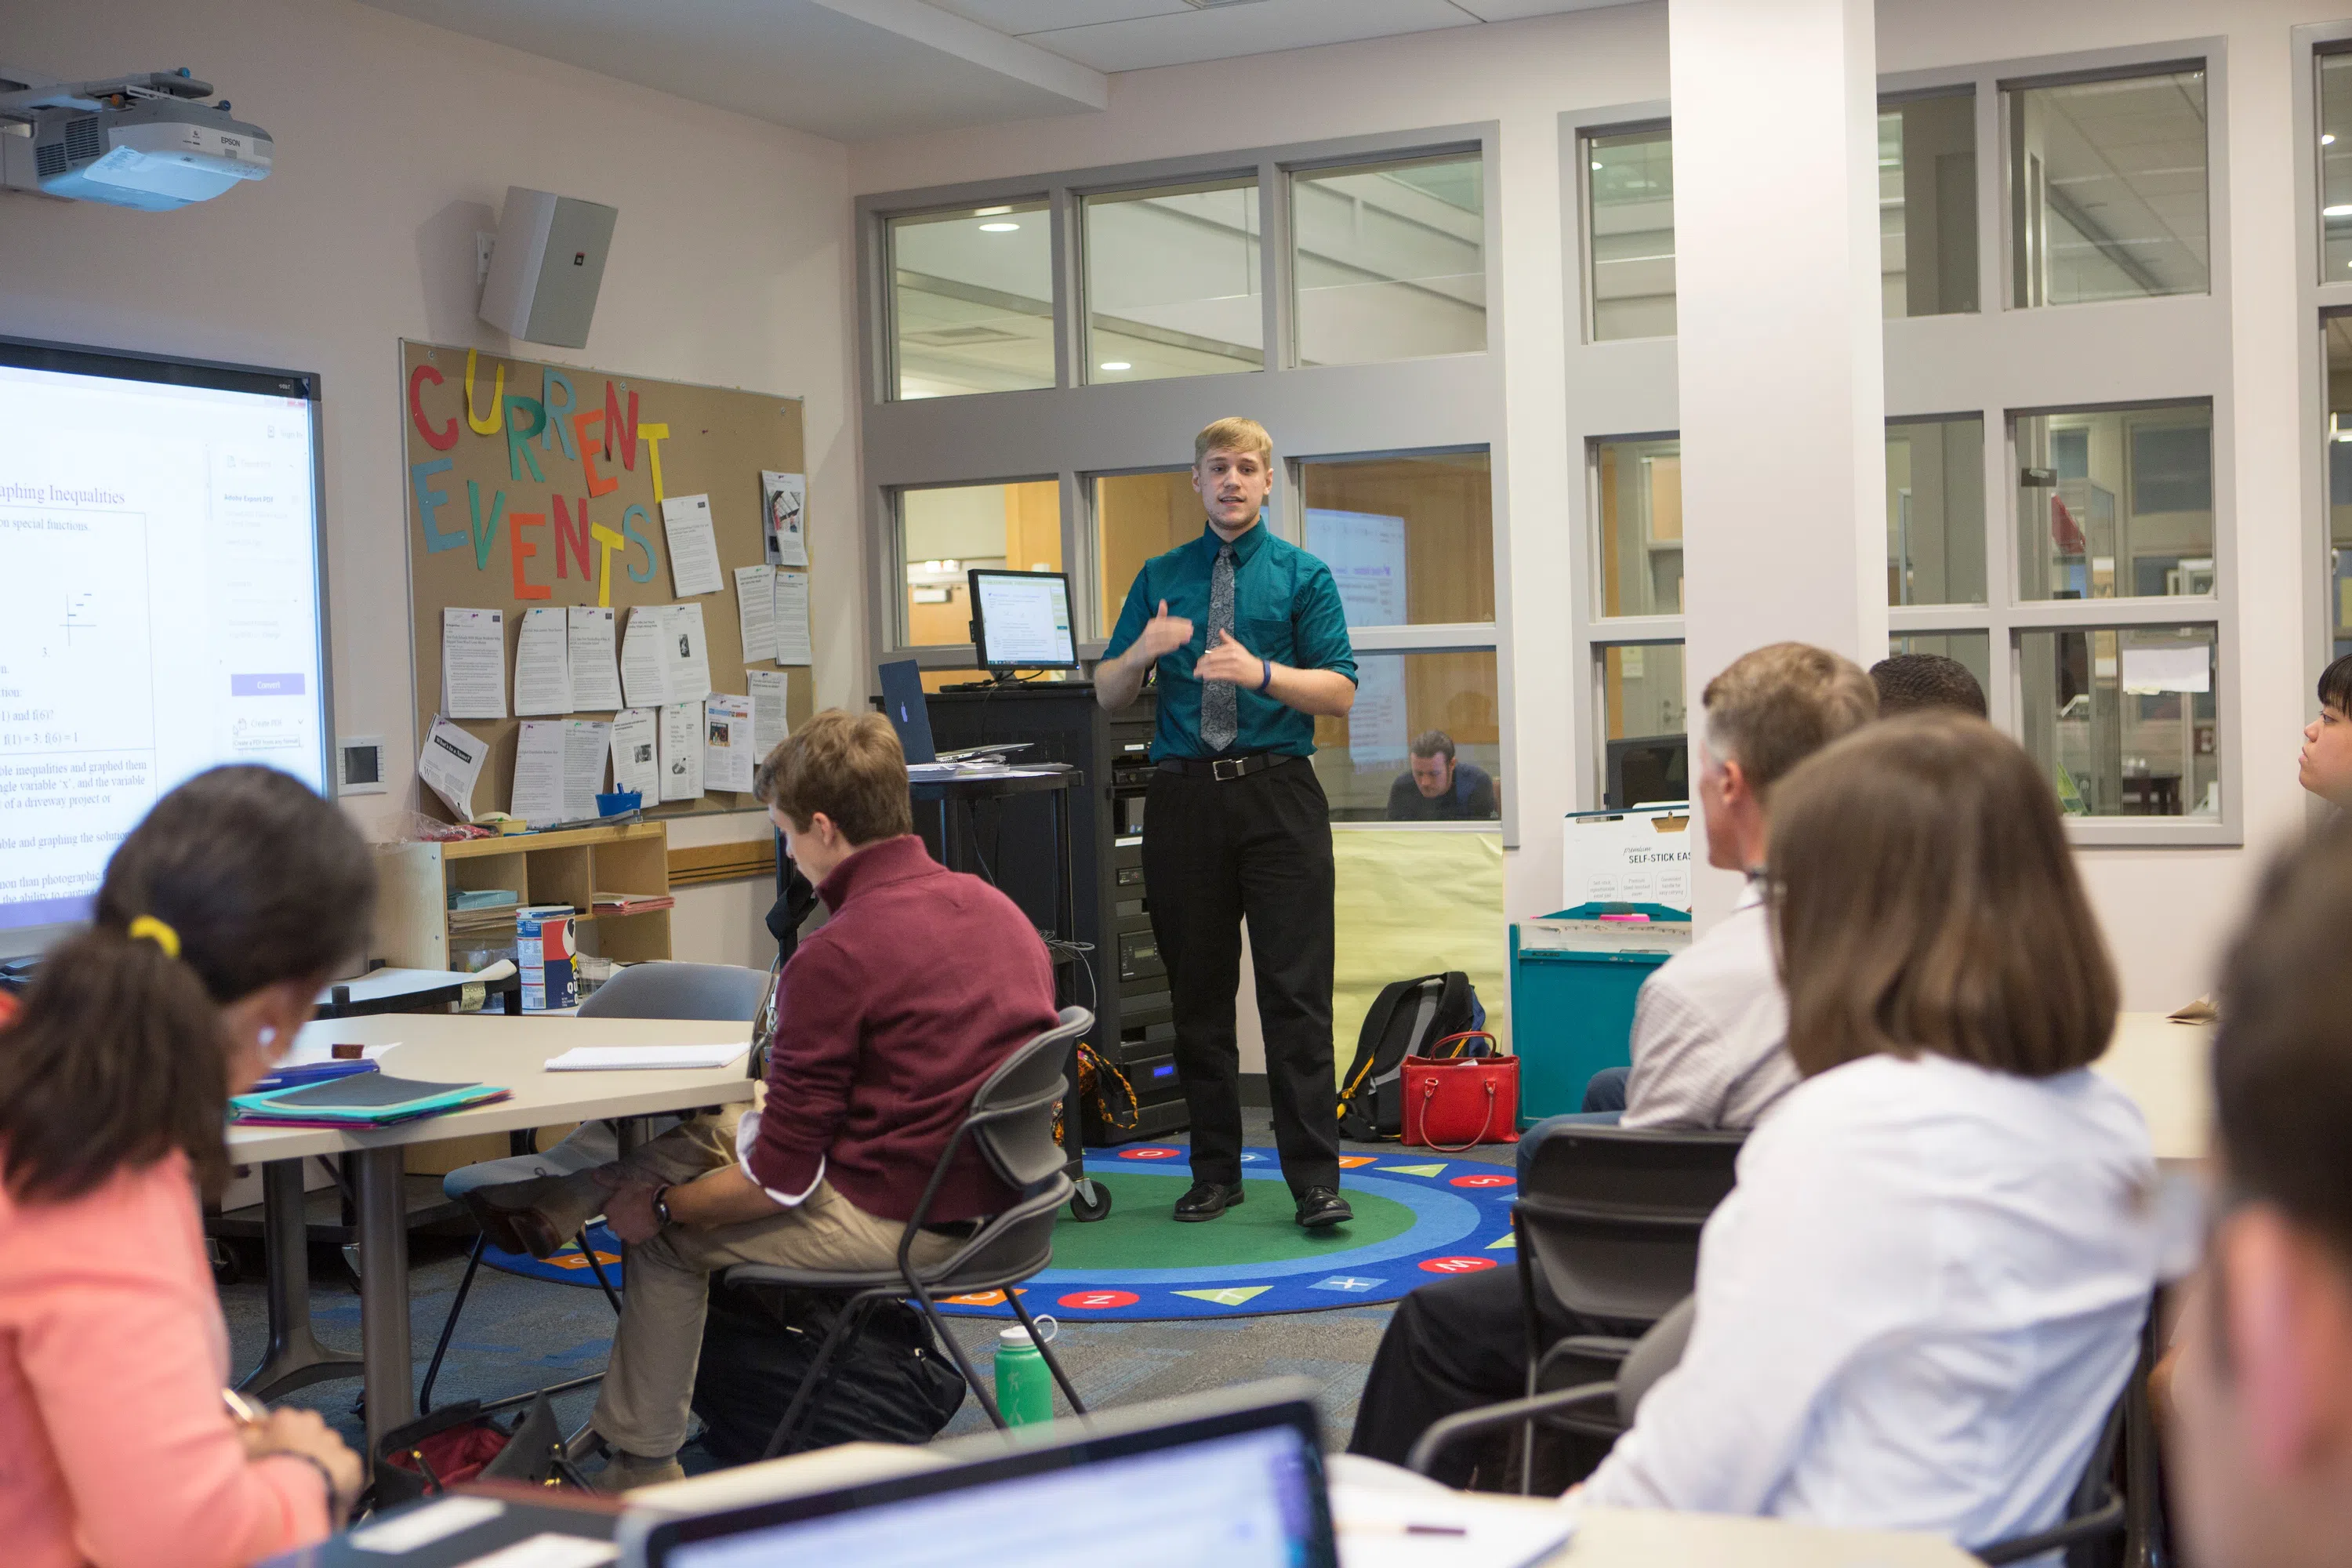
{"x":221,"y":917}
{"x":1706,"y":1046}
{"x":1918,"y":1307}
{"x":2262,"y":1428}
{"x":889,"y":1018}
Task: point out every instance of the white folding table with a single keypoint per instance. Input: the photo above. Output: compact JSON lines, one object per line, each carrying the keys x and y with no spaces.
{"x":509,"y":1052}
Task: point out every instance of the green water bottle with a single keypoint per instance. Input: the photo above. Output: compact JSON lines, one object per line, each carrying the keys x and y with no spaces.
{"x":1025,"y":1387}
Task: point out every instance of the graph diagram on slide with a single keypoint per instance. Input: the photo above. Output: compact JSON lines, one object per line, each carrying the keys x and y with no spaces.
{"x":78,"y":725}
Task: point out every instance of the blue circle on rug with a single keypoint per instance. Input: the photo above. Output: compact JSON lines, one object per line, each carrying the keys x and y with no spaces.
{"x":1458,"y":1216}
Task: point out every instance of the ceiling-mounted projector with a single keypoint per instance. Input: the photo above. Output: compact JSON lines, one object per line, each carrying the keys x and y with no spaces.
{"x":146,"y":141}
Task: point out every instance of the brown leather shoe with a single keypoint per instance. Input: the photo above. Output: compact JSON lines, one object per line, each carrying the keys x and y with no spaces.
{"x":541,"y":1216}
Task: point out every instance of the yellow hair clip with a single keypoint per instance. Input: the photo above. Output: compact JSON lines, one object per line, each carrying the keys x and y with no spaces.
{"x":148,"y":928}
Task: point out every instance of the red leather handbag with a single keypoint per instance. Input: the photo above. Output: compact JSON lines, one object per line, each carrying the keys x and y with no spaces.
{"x":1456,"y":1103}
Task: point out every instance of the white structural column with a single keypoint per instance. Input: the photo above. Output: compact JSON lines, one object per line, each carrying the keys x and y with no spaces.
{"x":1777,"y":301}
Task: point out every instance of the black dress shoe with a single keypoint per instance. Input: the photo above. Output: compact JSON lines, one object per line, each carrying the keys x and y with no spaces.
{"x":1207,"y":1200}
{"x":1319,"y":1206}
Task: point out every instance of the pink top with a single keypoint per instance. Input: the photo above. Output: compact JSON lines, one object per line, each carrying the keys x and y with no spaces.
{"x":115,"y":1449}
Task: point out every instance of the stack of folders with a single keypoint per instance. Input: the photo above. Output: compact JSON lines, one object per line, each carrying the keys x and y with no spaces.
{"x":482,"y":912}
{"x":632,"y":903}
{"x":359,"y":1099}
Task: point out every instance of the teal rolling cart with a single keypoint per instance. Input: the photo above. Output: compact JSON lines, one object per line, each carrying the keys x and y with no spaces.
{"x":1574,"y":976}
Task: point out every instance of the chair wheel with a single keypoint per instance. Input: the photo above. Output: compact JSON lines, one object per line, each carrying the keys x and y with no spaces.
{"x":1090,"y":1201}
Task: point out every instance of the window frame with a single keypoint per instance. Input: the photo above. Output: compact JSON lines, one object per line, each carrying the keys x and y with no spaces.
{"x":1578,"y":154}
{"x":894,"y":502}
{"x":1077,"y":431}
{"x":2107,"y":65}
{"x":1995,"y":363}
{"x":887,"y":250}
{"x":1079,"y":310}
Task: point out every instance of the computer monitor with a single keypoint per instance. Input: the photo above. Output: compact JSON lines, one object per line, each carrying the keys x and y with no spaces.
{"x":1234,"y":1488}
{"x":1647,"y":769}
{"x":1020,"y":620}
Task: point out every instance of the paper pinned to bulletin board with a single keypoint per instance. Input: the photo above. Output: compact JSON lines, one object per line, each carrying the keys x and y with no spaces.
{"x":539,"y":486}
{"x":1412,"y":901}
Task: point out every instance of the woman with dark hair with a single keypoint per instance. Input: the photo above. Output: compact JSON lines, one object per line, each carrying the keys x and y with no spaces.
{"x":221,"y":916}
{"x":2324,"y":767}
{"x":1918,"y":1305}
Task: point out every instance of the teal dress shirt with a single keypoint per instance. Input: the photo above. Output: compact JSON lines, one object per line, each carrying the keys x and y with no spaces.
{"x":1285,"y":608}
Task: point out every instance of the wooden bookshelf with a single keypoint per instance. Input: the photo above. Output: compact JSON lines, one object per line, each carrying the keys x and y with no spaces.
{"x":412,"y":916}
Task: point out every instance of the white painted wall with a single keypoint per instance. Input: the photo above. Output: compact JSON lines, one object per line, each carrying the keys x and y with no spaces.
{"x":2165,"y":910}
{"x":396,"y":142}
{"x":1783,"y":410}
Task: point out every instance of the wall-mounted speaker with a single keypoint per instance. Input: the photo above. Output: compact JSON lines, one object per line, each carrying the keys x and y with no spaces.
{"x":547,"y":267}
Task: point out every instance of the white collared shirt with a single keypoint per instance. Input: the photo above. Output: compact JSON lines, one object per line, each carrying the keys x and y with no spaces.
{"x":1710,"y":1030}
{"x":1914,"y":1312}
{"x":747,"y":1133}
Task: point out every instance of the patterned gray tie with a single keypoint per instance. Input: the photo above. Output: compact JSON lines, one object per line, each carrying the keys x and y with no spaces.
{"x":1220,"y":700}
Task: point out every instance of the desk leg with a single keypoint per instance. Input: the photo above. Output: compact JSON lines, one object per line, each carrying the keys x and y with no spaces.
{"x":383,"y":1291}
{"x":295,"y":1357}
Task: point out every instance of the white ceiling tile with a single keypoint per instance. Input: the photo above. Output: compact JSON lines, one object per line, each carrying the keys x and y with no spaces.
{"x":795,"y":62}
{"x":1018,"y":17}
{"x":1227,"y":32}
{"x":1518,"y":10}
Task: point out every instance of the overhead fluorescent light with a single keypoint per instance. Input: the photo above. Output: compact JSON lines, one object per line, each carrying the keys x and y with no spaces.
{"x":2344,"y":210}
{"x":998,"y":228}
{"x":1115,"y":364}
{"x":2327,"y":139}
{"x":990,"y":212}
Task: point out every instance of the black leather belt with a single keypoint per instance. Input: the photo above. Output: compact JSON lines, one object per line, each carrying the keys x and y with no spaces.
{"x":1224,"y":768}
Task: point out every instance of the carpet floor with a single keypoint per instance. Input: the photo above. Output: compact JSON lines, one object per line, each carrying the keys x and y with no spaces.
{"x":518,"y":1334}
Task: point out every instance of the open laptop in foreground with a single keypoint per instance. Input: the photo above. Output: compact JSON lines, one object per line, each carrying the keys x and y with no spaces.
{"x":1232,"y":1480}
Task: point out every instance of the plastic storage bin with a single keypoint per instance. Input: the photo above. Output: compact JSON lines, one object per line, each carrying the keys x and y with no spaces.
{"x":1574,"y":976}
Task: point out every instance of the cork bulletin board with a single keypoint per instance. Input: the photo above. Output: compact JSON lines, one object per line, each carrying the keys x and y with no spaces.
{"x":536,"y":486}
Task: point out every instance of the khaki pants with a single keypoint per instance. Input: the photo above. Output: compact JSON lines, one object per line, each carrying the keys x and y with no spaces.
{"x":643,"y":1408}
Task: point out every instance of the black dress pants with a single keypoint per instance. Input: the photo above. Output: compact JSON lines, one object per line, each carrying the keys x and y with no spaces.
{"x":1215,"y":852}
{"x":1454,"y":1344}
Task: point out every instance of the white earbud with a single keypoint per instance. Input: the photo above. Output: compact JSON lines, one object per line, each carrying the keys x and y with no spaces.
{"x":268,"y":1036}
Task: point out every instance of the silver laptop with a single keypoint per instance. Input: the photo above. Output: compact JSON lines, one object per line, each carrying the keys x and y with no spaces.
{"x":1230,"y":1481}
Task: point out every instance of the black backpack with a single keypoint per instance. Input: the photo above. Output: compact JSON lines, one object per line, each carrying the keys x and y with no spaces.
{"x":1408,"y":1017}
{"x":890,"y":1384}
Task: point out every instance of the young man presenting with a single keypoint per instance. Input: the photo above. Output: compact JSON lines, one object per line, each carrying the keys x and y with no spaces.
{"x":1250,"y":644}
{"x":1709,"y":1046}
{"x":877,"y":1057}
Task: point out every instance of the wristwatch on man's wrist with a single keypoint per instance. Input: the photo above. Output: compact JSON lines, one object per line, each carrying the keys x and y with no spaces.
{"x":661,"y":1203}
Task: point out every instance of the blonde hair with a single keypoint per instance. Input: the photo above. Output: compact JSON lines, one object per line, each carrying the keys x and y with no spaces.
{"x":1232,"y":434}
{"x":1773,"y":707}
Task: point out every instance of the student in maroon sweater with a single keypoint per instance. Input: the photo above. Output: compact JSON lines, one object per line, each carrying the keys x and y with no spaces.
{"x":890,"y":1017}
